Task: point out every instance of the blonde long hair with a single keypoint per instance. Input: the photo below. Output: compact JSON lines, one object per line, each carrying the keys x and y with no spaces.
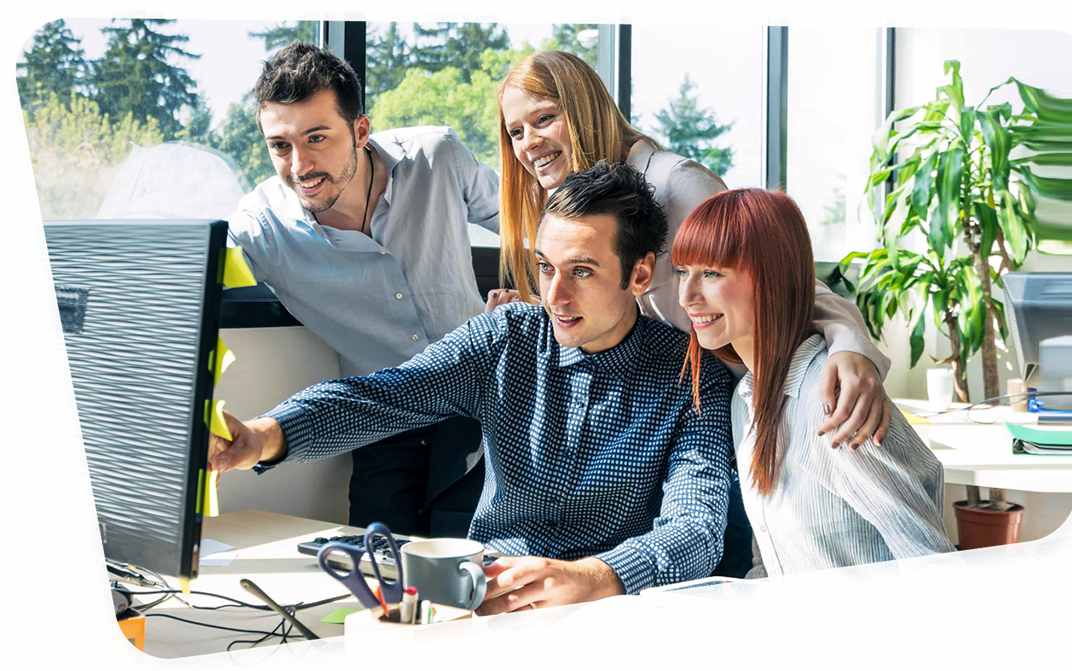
{"x":597,"y":130}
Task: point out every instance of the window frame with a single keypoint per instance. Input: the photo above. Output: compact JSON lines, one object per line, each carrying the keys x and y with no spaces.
{"x":344,"y":33}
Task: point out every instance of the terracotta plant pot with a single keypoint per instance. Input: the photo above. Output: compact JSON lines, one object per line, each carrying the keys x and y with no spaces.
{"x":987,"y":528}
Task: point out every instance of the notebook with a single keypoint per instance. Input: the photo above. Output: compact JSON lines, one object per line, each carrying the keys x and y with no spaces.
{"x":1031,"y":440}
{"x":609,"y":636}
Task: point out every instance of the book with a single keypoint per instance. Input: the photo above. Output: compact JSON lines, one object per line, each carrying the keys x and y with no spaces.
{"x":1030,"y":440}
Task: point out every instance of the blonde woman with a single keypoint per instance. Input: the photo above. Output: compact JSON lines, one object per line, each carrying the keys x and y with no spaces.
{"x":556,"y":117}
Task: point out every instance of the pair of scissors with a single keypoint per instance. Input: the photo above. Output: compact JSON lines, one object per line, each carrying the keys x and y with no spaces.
{"x":354,"y":580}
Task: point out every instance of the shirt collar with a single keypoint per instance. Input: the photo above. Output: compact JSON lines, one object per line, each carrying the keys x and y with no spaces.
{"x":390,"y":155}
{"x":619,"y":360}
{"x":798,"y":368}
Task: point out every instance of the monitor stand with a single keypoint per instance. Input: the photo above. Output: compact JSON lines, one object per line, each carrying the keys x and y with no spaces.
{"x":39,"y":607}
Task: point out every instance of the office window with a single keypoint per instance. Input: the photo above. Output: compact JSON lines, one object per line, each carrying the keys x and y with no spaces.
{"x":448,"y":74}
{"x":835,"y":103}
{"x":96,"y":93}
{"x":704,"y":97}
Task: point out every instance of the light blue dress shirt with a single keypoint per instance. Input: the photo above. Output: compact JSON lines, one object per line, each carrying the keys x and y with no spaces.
{"x":587,"y":455}
{"x":379,"y":300}
{"x":836,"y":507}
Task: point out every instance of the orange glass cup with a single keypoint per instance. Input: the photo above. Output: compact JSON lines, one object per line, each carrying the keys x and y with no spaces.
{"x":687,"y":644}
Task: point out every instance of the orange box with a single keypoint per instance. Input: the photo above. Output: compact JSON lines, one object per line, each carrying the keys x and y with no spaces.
{"x":116,"y":646}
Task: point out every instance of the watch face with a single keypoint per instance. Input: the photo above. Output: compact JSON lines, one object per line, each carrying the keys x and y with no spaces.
{"x":902,"y":621}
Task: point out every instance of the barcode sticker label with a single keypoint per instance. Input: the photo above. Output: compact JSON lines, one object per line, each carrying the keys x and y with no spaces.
{"x":94,"y":655}
{"x":34,"y":425}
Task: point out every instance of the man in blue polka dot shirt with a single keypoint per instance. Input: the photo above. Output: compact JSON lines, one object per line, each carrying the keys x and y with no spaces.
{"x":601,"y":477}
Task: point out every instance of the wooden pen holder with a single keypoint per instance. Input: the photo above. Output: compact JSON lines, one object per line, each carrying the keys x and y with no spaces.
{"x":376,"y":644}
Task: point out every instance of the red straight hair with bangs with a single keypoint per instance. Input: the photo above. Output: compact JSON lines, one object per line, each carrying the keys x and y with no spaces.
{"x":761,"y":233}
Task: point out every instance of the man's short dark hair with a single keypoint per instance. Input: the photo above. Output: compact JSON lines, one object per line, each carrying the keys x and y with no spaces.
{"x":301,"y":70}
{"x":620,"y":190}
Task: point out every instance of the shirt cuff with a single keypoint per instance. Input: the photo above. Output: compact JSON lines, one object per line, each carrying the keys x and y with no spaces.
{"x":297,"y":427}
{"x":632,"y":568}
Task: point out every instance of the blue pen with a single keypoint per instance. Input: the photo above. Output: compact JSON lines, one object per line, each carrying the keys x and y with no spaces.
{"x":12,"y":470}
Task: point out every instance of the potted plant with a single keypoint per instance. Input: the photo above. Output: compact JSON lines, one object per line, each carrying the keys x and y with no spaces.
{"x":963,"y":178}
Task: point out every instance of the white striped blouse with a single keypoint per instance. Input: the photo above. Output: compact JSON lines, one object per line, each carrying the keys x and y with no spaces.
{"x":836,"y":507}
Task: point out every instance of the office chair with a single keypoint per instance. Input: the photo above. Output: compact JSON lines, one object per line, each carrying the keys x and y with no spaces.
{"x":1027,"y":616}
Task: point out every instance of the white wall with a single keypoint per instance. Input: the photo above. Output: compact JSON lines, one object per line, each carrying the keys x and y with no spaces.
{"x":272,"y":364}
{"x":987,"y":57}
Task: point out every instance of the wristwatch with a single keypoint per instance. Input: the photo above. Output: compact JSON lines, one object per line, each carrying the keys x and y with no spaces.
{"x":902,"y":623}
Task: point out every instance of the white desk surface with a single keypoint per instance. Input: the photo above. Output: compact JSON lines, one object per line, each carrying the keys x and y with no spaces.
{"x":978,"y":450}
{"x":266,"y":552}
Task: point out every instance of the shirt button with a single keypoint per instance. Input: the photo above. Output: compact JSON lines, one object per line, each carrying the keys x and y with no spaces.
{"x":382,"y":252}
{"x":416,"y":337}
{"x":762,"y":530}
{"x":399,"y":295}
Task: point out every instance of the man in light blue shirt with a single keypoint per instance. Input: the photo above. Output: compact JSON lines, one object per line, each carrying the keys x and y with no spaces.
{"x":364,"y":238}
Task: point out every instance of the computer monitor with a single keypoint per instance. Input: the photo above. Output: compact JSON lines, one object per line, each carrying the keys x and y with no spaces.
{"x":1038,"y":309}
{"x":139,"y":305}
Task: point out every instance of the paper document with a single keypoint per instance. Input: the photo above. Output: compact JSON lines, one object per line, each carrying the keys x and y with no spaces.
{"x":210,"y":547}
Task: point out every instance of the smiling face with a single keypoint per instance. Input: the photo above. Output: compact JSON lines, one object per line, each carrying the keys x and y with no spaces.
{"x":313,"y":148}
{"x":539,"y":136}
{"x":581,"y":282}
{"x":720,"y":303}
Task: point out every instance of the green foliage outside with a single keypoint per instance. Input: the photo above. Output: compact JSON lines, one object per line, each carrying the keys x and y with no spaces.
{"x":445,"y":98}
{"x":690,"y":130}
{"x":83,"y":115}
{"x":456,"y":45}
{"x":75,"y":151}
{"x":136,"y":74}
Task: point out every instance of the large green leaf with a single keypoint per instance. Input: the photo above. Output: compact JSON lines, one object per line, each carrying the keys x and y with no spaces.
{"x":988,"y":223}
{"x":1057,"y":158}
{"x":921,"y":189}
{"x":967,"y":123}
{"x":954,"y":91}
{"x":881,"y":139}
{"x":1011,"y":223}
{"x":1049,"y":187}
{"x":999,"y":141}
{"x":944,"y":215}
{"x":916,"y":339}
{"x":1046,"y":107}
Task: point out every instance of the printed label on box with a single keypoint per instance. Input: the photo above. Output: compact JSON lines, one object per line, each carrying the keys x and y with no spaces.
{"x":94,"y":655}
{"x":34,"y":423}
{"x":54,"y":664}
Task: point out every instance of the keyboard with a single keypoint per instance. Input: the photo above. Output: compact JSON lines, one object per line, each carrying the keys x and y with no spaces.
{"x":341,"y":561}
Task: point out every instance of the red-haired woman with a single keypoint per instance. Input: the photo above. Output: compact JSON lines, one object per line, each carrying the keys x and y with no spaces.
{"x":747,"y":281}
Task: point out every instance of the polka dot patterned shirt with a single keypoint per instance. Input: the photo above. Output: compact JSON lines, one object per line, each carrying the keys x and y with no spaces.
{"x":586,"y":455}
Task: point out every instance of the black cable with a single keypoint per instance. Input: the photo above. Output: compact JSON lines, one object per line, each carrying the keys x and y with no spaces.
{"x":217,"y":626}
{"x":237,"y":603}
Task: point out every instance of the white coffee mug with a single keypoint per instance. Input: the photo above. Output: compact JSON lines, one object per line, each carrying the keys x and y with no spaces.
{"x":447,"y":571}
{"x":940,"y":388}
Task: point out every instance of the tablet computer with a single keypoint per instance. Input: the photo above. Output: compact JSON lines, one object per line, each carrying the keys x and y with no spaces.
{"x":760,"y":601}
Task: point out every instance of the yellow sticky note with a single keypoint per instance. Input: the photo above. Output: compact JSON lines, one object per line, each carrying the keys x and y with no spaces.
{"x":218,"y":425}
{"x":211,"y":506}
{"x":235,"y":271}
{"x":916,"y":419}
{"x":223,"y":358}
